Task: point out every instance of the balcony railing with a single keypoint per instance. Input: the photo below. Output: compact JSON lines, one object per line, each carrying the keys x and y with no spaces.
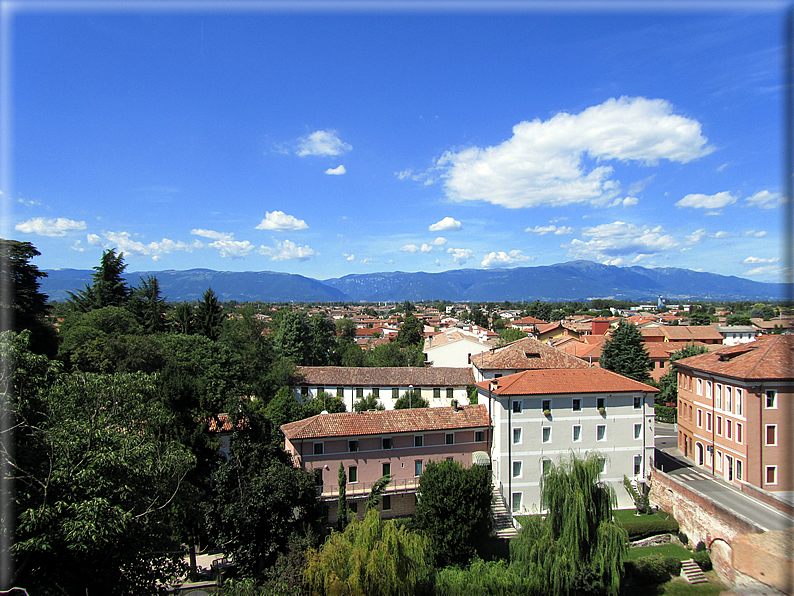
{"x":362,"y":489}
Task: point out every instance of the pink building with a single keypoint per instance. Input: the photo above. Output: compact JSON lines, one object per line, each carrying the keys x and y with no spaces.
{"x":397,"y":442}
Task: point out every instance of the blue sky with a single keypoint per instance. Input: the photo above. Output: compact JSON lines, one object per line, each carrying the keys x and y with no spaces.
{"x":358,"y":141}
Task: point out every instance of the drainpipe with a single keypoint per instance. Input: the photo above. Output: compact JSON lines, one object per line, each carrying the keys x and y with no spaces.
{"x":509,"y":455}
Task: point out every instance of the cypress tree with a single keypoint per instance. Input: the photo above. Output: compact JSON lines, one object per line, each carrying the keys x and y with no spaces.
{"x":342,"y":510}
{"x":625,"y":354}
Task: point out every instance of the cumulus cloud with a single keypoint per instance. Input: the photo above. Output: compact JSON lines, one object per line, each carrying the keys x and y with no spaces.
{"x":627,"y":202}
{"x":410,"y":248}
{"x":93,"y":239}
{"x":496,"y":259}
{"x":349,"y":257}
{"x":765,"y":199}
{"x":722,"y":234}
{"x":337,"y":171}
{"x":697,"y":236}
{"x":125,"y":243}
{"x":460,"y":255}
{"x":439,"y":241}
{"x":50,"y":227}
{"x":620,"y":239}
{"x":427,"y":247}
{"x":700,"y":201}
{"x":754,"y":234}
{"x":552,"y":229}
{"x":281,"y":222}
{"x":287,"y":251}
{"x":446,"y":224}
{"x":758,"y":260}
{"x":212,"y":234}
{"x":542,"y":163}
{"x":322,"y":142}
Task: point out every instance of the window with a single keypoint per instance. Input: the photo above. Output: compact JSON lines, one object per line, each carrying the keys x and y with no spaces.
{"x":352,"y":474}
{"x":603,"y":463}
{"x":637,"y":465}
{"x":601,"y":432}
{"x":449,"y":439}
{"x":479,"y":436}
{"x":739,"y":470}
{"x":516,"y":505}
{"x":437,"y":393}
{"x":728,"y":399}
{"x":700,"y":418}
{"x":577,"y":405}
{"x":545,"y":405}
{"x":386,"y":502}
{"x":450,"y":459}
{"x":700,"y":387}
{"x":386,"y":443}
{"x":637,"y":403}
{"x":340,"y":392}
{"x":395,"y":392}
{"x":353,"y":506}
{"x":516,"y":436}
{"x":601,"y":403}
{"x":418,"y":467}
{"x":771,"y":399}
{"x":771,"y":434}
{"x":718,"y":396}
{"x":319,"y":449}
{"x":450,"y":393}
{"x":719,"y":425}
{"x":386,"y":469}
{"x":718,"y":461}
{"x":577,"y":433}
{"x":739,"y":429}
{"x":638,"y":431}
{"x":709,"y":390}
{"x":739,"y":405}
{"x":376,"y":392}
{"x":352,"y":446}
{"x":518,"y":406}
{"x":771,"y":474}
{"x":359,"y":392}
{"x":545,"y":466}
{"x":304,"y":391}
{"x":419,"y":440}
{"x":708,"y":421}
{"x":547,"y":434}
{"x":516,"y":469}
{"x":728,"y":428}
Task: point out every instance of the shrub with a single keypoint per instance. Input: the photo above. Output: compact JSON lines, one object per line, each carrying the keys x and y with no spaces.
{"x":673,"y":565}
{"x":703,"y":559}
{"x":651,"y":527}
{"x":700,"y":547}
{"x":648,"y":570}
{"x":683,"y":538}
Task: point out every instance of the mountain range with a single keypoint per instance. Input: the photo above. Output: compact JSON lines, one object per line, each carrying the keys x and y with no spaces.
{"x":574,"y":280}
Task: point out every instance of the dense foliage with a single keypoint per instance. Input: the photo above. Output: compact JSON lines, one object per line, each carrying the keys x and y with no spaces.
{"x":625,"y":353}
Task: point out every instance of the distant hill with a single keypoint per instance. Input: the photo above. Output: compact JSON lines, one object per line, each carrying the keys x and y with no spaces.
{"x":575,"y":280}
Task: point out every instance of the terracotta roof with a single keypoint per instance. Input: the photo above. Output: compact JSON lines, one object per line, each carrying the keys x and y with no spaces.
{"x":583,"y":350}
{"x":768,"y":357}
{"x":527,"y":321}
{"x":350,"y":376}
{"x":525,"y":354}
{"x":664,"y":349}
{"x":690,"y":333}
{"x":561,"y":381}
{"x":356,"y":424}
{"x":772,"y":323}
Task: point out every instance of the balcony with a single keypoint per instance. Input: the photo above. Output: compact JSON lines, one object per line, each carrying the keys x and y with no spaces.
{"x":330,"y":492}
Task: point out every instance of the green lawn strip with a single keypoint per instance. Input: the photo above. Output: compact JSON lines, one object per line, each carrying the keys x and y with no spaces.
{"x":666,"y":550}
{"x":678,"y":586}
{"x":630,"y":515}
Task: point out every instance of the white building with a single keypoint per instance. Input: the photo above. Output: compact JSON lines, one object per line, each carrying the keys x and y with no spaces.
{"x":737,"y":334}
{"x":453,"y":348}
{"x":542,"y":415}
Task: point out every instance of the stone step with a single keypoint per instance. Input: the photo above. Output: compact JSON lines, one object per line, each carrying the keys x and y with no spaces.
{"x":692,"y":572}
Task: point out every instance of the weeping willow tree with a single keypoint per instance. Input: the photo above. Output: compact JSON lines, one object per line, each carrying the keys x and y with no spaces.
{"x":371,"y":557}
{"x":577,"y":548}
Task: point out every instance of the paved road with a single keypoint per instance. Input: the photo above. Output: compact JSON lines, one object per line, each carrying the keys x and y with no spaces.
{"x":715,"y":487}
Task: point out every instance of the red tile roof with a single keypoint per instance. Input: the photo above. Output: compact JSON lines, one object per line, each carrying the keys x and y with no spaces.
{"x":524,"y":354}
{"x":350,"y":376}
{"x":768,"y":357}
{"x":561,"y":381}
{"x":355,"y":424}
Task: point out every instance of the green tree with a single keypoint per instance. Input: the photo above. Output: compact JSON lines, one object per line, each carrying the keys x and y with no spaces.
{"x":184,"y":318}
{"x":411,"y":399}
{"x":148,"y":306}
{"x":411,"y":332}
{"x":323,"y":340}
{"x":668,"y":383}
{"x":293,"y":338}
{"x":284,"y":408}
{"x":371,"y":557}
{"x":323,"y":402}
{"x":699,"y":317}
{"x":108,"y":287}
{"x":370,"y":402}
{"x":763,"y":311}
{"x":738,"y":320}
{"x":24,"y":306}
{"x":625,"y":353}
{"x":511,"y":334}
{"x":454,"y":510}
{"x":377,"y":490}
{"x":346,"y":331}
{"x":341,"y":504}
{"x":577,"y":545}
{"x":209,"y":315}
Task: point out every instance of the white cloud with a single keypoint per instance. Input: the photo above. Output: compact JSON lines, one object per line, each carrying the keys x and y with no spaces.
{"x":697,"y":236}
{"x":50,"y":227}
{"x":765,"y":199}
{"x":410,"y":248}
{"x":496,"y":259}
{"x":619,"y":239}
{"x":281,"y":222}
{"x":233,"y":249}
{"x":212,"y":235}
{"x":76,"y":247}
{"x":542,"y":163}
{"x":722,"y":234}
{"x":287,"y":251}
{"x":338,"y":171}
{"x":543,"y":230}
{"x":366,"y":260}
{"x":445,"y":224}
{"x":439,"y":241}
{"x":460,"y":255}
{"x":427,"y":247}
{"x":765,"y":270}
{"x":700,"y":201}
{"x":28,"y":203}
{"x":124,"y":242}
{"x":627,"y":202}
{"x":93,"y":239}
{"x":322,"y":142}
{"x":349,"y":257}
{"x":757,"y":260}
{"x":754,"y":234}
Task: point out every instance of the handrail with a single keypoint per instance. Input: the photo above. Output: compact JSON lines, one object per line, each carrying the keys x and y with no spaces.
{"x":357,"y":489}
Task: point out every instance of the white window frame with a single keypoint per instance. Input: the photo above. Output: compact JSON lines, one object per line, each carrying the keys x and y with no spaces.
{"x":637,"y":431}
{"x":728,"y":428}
{"x":766,"y":475}
{"x":770,"y":393}
{"x":545,"y":434}
{"x":709,"y":390}
{"x":718,"y":395}
{"x":545,"y":466}
{"x":637,"y":465}
{"x":518,"y":406}
{"x":718,"y":461}
{"x":728,"y":393}
{"x":700,"y":387}
{"x":517,"y":435}
{"x":517,"y":468}
{"x":515,"y":504}
{"x":740,"y":433}
{"x":601,"y":428}
{"x":739,"y":470}
{"x":709,"y":421}
{"x":766,"y":435}
{"x":739,"y":402}
{"x":573,"y":433}
{"x":718,"y":426}
{"x":418,"y":465}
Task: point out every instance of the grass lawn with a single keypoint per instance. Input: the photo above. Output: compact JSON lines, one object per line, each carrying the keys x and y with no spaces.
{"x":678,"y":586}
{"x":630,"y":515}
{"x":666,"y":550}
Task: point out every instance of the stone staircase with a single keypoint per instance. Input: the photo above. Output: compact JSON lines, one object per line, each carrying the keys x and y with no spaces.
{"x":692,"y":572}
{"x":502,"y":520}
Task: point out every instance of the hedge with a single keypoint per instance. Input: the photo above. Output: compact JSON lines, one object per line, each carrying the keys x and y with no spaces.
{"x":665,"y":414}
{"x":648,"y":570}
{"x":703,"y":559}
{"x":644,"y":528}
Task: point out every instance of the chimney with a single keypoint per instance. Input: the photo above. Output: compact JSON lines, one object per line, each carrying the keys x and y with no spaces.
{"x":455,"y":407}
